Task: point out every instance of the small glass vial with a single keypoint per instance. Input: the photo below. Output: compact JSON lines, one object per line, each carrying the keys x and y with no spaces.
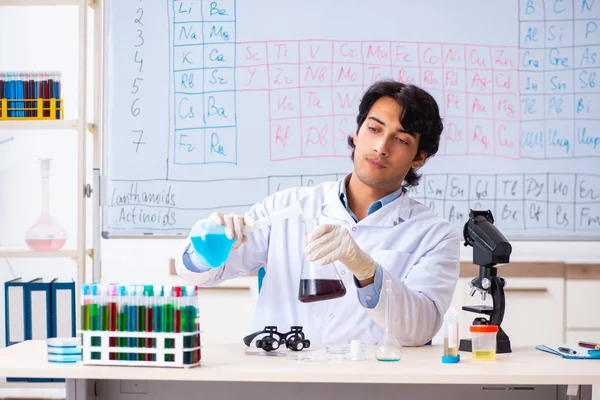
{"x":388,"y":348}
{"x":451,"y":355}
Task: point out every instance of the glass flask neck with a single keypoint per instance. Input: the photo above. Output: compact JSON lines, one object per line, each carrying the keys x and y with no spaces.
{"x":45,"y":169}
{"x":388,"y":306}
{"x":388,"y":349}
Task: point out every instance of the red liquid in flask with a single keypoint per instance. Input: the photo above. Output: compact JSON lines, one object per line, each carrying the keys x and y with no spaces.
{"x":320,"y":289}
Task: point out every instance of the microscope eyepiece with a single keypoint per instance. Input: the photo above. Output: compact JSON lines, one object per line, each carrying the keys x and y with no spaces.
{"x":489,"y":245}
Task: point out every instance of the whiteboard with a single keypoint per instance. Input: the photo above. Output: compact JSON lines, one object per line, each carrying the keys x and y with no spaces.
{"x":213,"y":105}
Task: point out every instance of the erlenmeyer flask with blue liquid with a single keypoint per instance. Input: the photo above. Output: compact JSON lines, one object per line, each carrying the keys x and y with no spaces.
{"x":211,"y":244}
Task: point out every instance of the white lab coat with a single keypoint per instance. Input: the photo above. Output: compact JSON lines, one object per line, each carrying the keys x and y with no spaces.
{"x":418,"y":252}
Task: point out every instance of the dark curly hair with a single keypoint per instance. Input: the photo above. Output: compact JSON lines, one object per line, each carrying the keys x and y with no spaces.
{"x":420,"y":114}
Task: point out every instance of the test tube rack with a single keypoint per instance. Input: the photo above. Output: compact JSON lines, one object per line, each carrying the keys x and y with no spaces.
{"x":31,"y":109}
{"x":97,"y":348}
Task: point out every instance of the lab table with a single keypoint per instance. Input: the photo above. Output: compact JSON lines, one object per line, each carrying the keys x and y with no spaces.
{"x":227,"y":372}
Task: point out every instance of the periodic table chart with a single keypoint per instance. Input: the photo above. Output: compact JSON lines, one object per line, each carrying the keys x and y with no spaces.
{"x":211,"y":105}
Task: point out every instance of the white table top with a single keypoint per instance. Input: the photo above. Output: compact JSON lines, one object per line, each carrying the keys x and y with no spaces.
{"x":230,"y":363}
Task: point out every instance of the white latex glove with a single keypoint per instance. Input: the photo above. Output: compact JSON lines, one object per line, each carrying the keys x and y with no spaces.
{"x":329,"y":243}
{"x":233,"y":224}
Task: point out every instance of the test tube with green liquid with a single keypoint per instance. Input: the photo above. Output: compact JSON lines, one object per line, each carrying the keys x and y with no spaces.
{"x":140,"y":317}
{"x":131,"y":316}
{"x":192,"y":308}
{"x":148,"y":311}
{"x":85,"y":307}
{"x":183,"y":307}
{"x":158,"y":304}
{"x":167,"y":318}
{"x":95,"y":312}
{"x":167,"y":309}
{"x":123,"y":308}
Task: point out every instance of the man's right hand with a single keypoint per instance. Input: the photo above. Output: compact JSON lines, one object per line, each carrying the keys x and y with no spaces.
{"x":234,"y":224}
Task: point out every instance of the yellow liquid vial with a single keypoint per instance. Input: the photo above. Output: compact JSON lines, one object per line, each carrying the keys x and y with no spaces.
{"x":484,"y":355}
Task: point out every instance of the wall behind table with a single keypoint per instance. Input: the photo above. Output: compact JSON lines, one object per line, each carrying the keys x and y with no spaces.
{"x":123,"y":260}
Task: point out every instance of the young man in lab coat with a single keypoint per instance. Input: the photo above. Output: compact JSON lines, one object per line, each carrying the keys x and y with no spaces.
{"x":369,"y":227}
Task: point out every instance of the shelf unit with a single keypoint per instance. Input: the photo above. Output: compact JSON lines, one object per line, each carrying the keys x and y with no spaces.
{"x":39,"y":125}
{"x":20,"y":3}
{"x":5,"y":386}
{"x":79,"y":125}
{"x":79,"y":253}
{"x":27,"y":253}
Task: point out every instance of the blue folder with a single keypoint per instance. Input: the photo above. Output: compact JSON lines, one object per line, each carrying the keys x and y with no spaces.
{"x":38,"y":310}
{"x":38,"y":314}
{"x":62,"y":308}
{"x":15,"y":310}
{"x":19,"y":309}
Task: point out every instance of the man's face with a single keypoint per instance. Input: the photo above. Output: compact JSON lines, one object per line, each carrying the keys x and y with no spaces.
{"x":385,"y":152}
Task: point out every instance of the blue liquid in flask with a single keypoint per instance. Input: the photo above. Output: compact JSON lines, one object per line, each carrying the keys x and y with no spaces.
{"x":212,"y":248}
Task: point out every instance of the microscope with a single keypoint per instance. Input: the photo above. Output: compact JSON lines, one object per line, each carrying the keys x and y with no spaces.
{"x":490,"y":247}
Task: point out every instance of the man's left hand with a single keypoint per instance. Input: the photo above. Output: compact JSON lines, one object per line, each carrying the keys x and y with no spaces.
{"x":329,"y":243}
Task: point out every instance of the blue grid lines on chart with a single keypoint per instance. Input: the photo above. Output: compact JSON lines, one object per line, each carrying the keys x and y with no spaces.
{"x":204,"y":120}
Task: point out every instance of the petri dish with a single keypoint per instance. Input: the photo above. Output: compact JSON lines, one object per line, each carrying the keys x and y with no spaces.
{"x":64,"y":342}
{"x":64,"y":358}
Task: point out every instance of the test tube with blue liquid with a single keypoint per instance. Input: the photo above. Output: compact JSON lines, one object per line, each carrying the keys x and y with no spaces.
{"x":131,"y":319}
{"x":85,"y":307}
{"x":94,"y":313}
{"x":123,"y":309}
